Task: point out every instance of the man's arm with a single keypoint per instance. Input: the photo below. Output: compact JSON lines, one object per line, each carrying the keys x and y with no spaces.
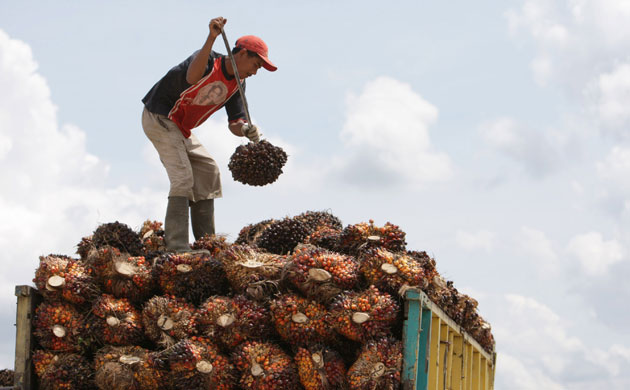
{"x":198,"y":65}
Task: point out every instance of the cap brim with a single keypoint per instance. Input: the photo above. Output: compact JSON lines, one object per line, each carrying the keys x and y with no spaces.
{"x":268,"y":64}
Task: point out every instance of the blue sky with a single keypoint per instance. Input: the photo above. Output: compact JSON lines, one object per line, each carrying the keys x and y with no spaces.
{"x":495,"y":134}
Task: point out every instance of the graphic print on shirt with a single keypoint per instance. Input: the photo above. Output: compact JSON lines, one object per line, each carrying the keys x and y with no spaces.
{"x":213,"y":93}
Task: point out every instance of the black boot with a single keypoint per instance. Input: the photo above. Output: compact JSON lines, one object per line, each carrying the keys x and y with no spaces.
{"x":202,"y":217}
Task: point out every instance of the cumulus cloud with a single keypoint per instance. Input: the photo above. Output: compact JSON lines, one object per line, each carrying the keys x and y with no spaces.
{"x":480,"y":240}
{"x":537,"y":247}
{"x":613,"y":172}
{"x":386,"y":134}
{"x":594,"y":254}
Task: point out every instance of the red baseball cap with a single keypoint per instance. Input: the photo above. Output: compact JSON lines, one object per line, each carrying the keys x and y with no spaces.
{"x":258,"y":46}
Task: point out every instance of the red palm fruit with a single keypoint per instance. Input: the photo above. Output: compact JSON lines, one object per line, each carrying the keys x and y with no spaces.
{"x":482,"y":332}
{"x":116,"y":321}
{"x":130,"y":367}
{"x":84,"y":247}
{"x":251,"y":272}
{"x":60,"y":277}
{"x":321,"y":274}
{"x":196,"y":364}
{"x":282,"y":236}
{"x":42,"y":359}
{"x":265,"y":366}
{"x":67,"y":372}
{"x":250,"y":234}
{"x":168,"y":319}
{"x":212,"y":243}
{"x":301,"y":321}
{"x":230,"y":321}
{"x":327,"y":238}
{"x":390,"y":271}
{"x":59,"y":327}
{"x":426,"y":262}
{"x":320,"y":368}
{"x":378,"y":366}
{"x":257,"y":163}
{"x":356,"y":237}
{"x":364,"y":315}
{"x":192,"y":276}
{"x":152,"y":236}
{"x":118,"y":235}
{"x":316,"y":220}
{"x":122,"y":275}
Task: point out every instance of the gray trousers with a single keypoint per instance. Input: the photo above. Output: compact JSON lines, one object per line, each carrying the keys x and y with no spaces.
{"x":191,"y":170}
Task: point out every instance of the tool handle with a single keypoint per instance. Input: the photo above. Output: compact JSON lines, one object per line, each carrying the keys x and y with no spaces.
{"x":236,"y":75}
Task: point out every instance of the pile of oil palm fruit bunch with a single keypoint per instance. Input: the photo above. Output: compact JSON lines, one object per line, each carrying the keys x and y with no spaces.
{"x":296,"y":302}
{"x":257,"y":163}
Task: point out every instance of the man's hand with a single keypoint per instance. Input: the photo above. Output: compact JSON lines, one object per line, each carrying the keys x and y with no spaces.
{"x":251,"y":132}
{"x":216,"y":25}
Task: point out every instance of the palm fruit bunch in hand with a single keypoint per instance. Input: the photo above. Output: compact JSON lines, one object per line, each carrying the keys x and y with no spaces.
{"x":282,"y":236}
{"x":122,"y":275}
{"x":192,"y":276}
{"x":212,"y":243}
{"x":59,"y":327}
{"x":265,"y":366}
{"x":364,"y":315}
{"x":118,"y":235}
{"x":250,"y":234}
{"x":61,"y":277}
{"x":301,"y":321}
{"x":356,"y":237}
{"x":196,"y":364}
{"x":378,"y":367}
{"x":321,"y":274}
{"x":116,"y":322}
{"x":257,"y":164}
{"x":130,"y":367}
{"x":230,"y":321}
{"x":320,"y":368}
{"x":168,"y":319}
{"x":390,"y":271}
{"x":251,"y":272}
{"x":152,"y":236}
{"x":67,"y":372}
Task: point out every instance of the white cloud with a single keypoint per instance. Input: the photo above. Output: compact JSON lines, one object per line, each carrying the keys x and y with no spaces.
{"x":480,"y":240}
{"x":539,"y":249}
{"x":612,"y":96}
{"x":594,"y":254}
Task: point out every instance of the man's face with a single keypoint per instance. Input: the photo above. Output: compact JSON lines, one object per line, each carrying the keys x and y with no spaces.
{"x":247,"y":65}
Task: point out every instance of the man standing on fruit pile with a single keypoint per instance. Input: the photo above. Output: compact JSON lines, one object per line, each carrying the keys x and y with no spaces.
{"x":182,"y":100}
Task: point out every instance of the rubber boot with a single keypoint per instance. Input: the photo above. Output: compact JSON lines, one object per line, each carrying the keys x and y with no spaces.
{"x":202,"y":217}
{"x":176,"y":224}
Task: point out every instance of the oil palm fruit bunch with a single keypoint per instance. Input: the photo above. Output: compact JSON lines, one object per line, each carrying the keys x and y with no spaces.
{"x":196,"y":364}
{"x":364,"y":315}
{"x":42,"y":358}
{"x":130,"y":367}
{"x":212,"y":243}
{"x":257,"y":164}
{"x":426,"y":262}
{"x":356,"y":237}
{"x":168,"y":319}
{"x":122,"y":275}
{"x":251,"y":272}
{"x":320,"y":368}
{"x":230,"y":321}
{"x":390,"y":271}
{"x":67,"y":372}
{"x":282,"y":236}
{"x":301,"y":321}
{"x":152,"y":236}
{"x":7,"y":377}
{"x":118,"y":235}
{"x":265,"y":366}
{"x":116,"y":321}
{"x":59,"y":327}
{"x":327,"y":238}
{"x":250,"y":234}
{"x":192,"y":276}
{"x":321,"y":274}
{"x":316,"y":220}
{"x":84,"y":247}
{"x":60,"y":277}
{"x":378,"y":367}
{"x":482,"y":332}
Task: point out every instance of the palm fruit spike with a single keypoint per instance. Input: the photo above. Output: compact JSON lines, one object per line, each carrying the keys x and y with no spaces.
{"x":257,"y":164}
{"x":230,"y":321}
{"x":68,"y":371}
{"x":118,"y":235}
{"x":192,"y":276}
{"x":214,"y":244}
{"x":320,"y":368}
{"x":7,"y":377}
{"x":116,"y":321}
{"x":326,"y":238}
{"x":284,"y":235}
{"x":265,"y":366}
{"x":168,"y":319}
{"x":196,"y":364}
{"x":426,"y":262}
{"x":152,"y":236}
{"x":321,"y":274}
{"x":60,"y":277}
{"x":122,"y":275}
{"x":355,"y":237}
{"x":390,"y":271}
{"x":378,"y":366}
{"x":364,"y":315}
{"x":316,"y":220}
{"x":300,"y":321}
{"x":251,"y":272}
{"x":130,"y":367}
{"x":84,"y":247}
{"x":249,"y":234}
{"x":59,"y":327}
